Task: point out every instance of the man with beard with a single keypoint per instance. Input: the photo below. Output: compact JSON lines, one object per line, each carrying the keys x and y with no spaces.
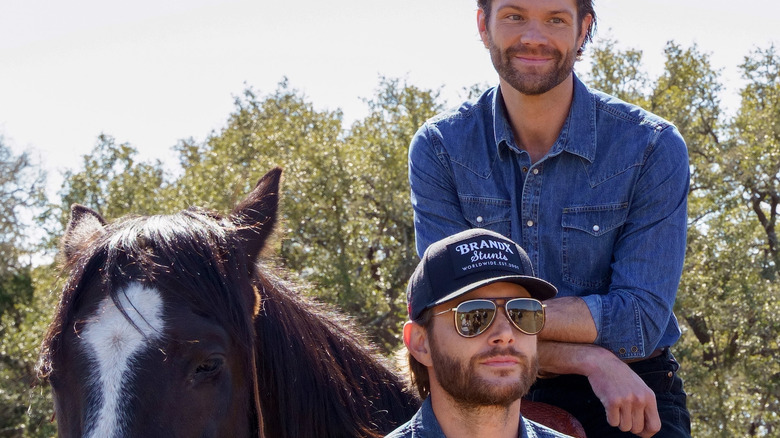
{"x":472,"y":375}
{"x":594,"y":189}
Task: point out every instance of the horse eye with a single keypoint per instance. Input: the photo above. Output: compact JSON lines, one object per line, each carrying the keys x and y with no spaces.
{"x":210,"y":365}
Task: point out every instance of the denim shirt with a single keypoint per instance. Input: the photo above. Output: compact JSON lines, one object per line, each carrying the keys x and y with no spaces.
{"x":602,"y":216}
{"x":425,"y":425}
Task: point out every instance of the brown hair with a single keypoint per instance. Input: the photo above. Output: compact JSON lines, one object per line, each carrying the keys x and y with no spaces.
{"x":584,"y":7}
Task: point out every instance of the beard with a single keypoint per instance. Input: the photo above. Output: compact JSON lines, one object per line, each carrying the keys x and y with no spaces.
{"x":462,"y":383}
{"x":531,"y":84}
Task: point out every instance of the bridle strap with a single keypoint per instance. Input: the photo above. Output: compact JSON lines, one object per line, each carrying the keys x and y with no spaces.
{"x":256,"y":396}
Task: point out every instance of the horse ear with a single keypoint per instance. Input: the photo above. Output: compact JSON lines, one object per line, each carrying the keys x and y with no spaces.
{"x":85,"y":223}
{"x":255,"y":216}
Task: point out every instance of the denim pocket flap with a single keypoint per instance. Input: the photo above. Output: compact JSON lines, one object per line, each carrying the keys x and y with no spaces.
{"x":490,"y":213}
{"x":595,"y":220}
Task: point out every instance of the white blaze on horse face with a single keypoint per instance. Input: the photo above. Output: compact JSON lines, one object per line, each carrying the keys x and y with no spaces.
{"x":113,"y":343}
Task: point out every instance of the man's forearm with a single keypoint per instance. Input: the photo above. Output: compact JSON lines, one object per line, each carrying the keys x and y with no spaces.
{"x":568,"y":320}
{"x":567,"y":358}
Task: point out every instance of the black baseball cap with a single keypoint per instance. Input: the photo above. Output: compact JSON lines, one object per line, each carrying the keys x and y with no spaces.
{"x":466,"y":261}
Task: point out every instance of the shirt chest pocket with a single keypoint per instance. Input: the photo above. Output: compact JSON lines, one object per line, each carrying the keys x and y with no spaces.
{"x":489,"y":213}
{"x":588,"y":240}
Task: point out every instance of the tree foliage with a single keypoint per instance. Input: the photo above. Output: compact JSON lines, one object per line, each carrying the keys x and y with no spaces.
{"x":21,"y":194}
{"x":113,"y":182}
{"x":346,"y":223}
{"x":26,"y":408}
{"x":21,"y":199}
{"x":619,"y":73}
{"x":382,"y":243}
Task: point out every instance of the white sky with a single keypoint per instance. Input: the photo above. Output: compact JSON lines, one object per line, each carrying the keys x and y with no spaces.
{"x":151,"y":72}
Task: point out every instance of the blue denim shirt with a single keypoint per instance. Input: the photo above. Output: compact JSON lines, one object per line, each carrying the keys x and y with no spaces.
{"x":602,"y":216}
{"x":425,"y":425}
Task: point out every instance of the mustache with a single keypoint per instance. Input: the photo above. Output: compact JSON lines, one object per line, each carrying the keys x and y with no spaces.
{"x":496,"y":352}
{"x":537,"y":51}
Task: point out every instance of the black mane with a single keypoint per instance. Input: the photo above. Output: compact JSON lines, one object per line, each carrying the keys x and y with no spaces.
{"x":310,"y":356}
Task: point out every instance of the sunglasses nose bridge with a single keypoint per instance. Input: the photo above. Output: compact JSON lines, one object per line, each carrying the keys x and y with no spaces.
{"x":502,"y":326}
{"x":501,"y":307}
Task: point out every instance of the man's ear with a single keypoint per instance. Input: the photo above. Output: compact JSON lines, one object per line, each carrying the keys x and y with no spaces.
{"x":416,"y":341}
{"x":584,"y":26}
{"x":482,"y":27}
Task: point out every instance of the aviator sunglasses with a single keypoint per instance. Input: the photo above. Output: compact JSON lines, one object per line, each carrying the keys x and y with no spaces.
{"x":473,"y":317}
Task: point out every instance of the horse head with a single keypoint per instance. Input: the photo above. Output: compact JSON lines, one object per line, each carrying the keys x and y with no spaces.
{"x":154,"y":332}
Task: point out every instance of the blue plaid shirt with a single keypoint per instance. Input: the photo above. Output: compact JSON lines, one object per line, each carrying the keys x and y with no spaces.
{"x":602,"y":216}
{"x":425,"y":425}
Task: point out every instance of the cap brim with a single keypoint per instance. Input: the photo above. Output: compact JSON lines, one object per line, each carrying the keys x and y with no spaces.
{"x":538,"y":288}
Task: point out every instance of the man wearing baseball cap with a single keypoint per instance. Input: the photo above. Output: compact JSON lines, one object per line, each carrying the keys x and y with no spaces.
{"x":475,"y":309}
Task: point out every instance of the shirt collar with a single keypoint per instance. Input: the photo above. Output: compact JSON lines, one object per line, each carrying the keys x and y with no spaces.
{"x":578,"y":135}
{"x":425,"y":423}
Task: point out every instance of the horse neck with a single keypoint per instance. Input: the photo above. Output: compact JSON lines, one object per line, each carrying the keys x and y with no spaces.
{"x":312,"y":360}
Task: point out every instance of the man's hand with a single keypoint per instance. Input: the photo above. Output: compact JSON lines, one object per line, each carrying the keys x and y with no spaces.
{"x":629,"y":402}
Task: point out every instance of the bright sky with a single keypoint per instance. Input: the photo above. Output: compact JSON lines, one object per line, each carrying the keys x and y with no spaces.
{"x":151,"y":72}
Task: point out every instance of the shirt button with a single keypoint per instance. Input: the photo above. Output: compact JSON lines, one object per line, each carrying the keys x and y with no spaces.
{"x":622,"y":351}
{"x":634,"y":349}
{"x":479,"y":219}
{"x":536,"y":171}
{"x":670,"y":374}
{"x":525,"y":169}
{"x":596,"y":228}
{"x":530,"y":223}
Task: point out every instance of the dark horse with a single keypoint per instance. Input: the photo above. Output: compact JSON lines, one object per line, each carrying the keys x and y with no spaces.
{"x":168,"y":327}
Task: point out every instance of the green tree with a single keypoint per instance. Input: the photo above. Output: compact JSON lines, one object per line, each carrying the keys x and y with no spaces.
{"x":381,"y":245}
{"x":26,"y":406}
{"x":21,"y":198}
{"x":728,"y":299}
{"x":346,"y":219}
{"x":755,"y":147}
{"x":619,"y":73}
{"x":114,"y":183}
{"x":281,"y":129}
{"x":751,"y":163}
{"x":21,"y":193}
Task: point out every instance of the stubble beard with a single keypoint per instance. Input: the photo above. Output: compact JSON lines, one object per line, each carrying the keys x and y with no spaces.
{"x":460,"y":380}
{"x":531,"y":84}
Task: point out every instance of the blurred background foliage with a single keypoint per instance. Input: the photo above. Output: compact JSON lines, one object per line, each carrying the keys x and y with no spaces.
{"x":347,"y":222}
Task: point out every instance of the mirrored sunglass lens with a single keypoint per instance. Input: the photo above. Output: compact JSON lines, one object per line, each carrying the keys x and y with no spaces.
{"x":528,"y":315}
{"x":473,"y":317}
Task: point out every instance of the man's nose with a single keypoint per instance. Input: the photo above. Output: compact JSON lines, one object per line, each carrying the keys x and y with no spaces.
{"x":502,"y":330}
{"x":534,"y":33}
